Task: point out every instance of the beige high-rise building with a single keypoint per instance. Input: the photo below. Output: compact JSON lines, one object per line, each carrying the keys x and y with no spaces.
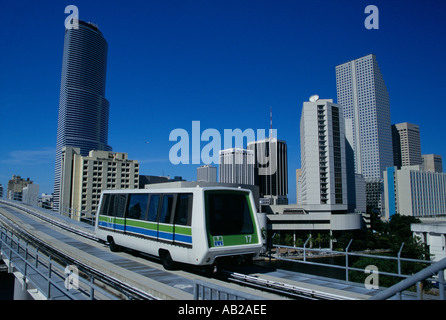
{"x":406,"y":144}
{"x":83,"y":178}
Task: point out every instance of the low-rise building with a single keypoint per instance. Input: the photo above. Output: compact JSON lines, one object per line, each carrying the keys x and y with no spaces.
{"x":414,"y":192}
{"x":433,"y":234}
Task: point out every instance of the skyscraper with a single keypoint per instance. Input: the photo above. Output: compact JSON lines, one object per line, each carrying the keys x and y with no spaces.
{"x":323,"y":181}
{"x":83,"y":109}
{"x":363,"y":94}
{"x":406,"y":144}
{"x":236,"y":166}
{"x":432,"y":162}
{"x":207,"y":173}
{"x":271,"y":169}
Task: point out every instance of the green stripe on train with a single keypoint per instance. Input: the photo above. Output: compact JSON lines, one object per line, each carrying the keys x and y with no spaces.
{"x":184,"y":230}
{"x":142,"y":224}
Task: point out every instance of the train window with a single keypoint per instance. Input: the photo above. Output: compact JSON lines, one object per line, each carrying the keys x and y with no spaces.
{"x":105,"y":205}
{"x":228,"y":213}
{"x":117,"y":205}
{"x":137,"y":206}
{"x":166,"y":208}
{"x":114,"y":205}
{"x":153,"y":207}
{"x":183,"y":209}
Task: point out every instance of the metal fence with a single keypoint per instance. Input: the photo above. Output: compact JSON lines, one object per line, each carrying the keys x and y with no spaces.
{"x":208,"y":291}
{"x":303,"y":254}
{"x":46,"y":275}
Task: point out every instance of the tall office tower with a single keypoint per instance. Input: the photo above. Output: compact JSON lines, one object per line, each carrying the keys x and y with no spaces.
{"x":323,"y":180}
{"x":236,"y":166}
{"x":207,"y":173}
{"x":363,"y":94}
{"x":298,"y":190}
{"x":432,"y":163}
{"x":406,"y":144}
{"x":83,"y":109}
{"x":271,"y":170}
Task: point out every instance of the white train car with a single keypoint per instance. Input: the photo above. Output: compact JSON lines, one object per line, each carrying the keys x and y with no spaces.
{"x":194,"y":225}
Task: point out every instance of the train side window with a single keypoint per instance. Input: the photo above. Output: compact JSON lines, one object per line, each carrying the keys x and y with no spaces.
{"x":137,"y":206}
{"x":183,"y":210}
{"x":117,"y":205}
{"x":105,"y":205}
{"x":166,"y":208}
{"x":153,"y":207}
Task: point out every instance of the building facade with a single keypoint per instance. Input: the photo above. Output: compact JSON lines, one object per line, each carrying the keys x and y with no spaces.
{"x":271,"y":170}
{"x":432,"y":162}
{"x":30,"y":194}
{"x":406,"y":144}
{"x":15,"y":187}
{"x":83,"y":108}
{"x":433,"y":234}
{"x":207,"y":173}
{"x":84,"y":177}
{"x":414,"y":192}
{"x":363,"y":94}
{"x":236,"y":165}
{"x":323,"y":180}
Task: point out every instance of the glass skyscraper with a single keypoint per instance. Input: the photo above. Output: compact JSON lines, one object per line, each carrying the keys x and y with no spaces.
{"x":83,"y":109}
{"x":363,"y":94}
{"x":271,"y":169}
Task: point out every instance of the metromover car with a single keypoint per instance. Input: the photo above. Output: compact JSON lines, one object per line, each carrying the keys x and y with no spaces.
{"x":194,"y":225}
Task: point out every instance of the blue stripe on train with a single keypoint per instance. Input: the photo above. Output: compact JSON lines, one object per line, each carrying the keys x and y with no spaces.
{"x":183,"y":238}
{"x":151,"y":233}
{"x":143,"y":231}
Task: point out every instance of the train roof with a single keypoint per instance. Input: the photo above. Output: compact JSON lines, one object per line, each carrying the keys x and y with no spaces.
{"x":185,"y":186}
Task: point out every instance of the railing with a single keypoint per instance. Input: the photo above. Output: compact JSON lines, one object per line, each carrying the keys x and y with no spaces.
{"x":38,"y":212}
{"x":208,"y":291}
{"x":437,"y":268}
{"x":48,"y":276}
{"x":88,"y":217}
{"x":301,"y":255}
{"x":83,"y":216}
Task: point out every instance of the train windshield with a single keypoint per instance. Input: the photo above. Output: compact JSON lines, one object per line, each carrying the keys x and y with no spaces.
{"x":229,"y":213}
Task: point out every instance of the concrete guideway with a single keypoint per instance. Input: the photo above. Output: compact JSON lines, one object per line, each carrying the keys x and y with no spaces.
{"x":143,"y":275}
{"x":123,"y":267}
{"x":97,"y":257}
{"x":315,"y":287}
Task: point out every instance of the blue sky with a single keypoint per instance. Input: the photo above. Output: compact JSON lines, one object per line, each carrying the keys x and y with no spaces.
{"x":223,"y":63}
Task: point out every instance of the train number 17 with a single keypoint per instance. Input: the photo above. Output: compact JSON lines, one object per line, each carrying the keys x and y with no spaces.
{"x":248,"y":238}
